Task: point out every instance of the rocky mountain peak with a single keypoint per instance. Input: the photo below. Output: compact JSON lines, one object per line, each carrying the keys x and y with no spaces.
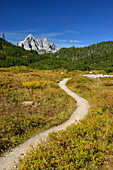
{"x":40,"y":45}
{"x":29,"y":37}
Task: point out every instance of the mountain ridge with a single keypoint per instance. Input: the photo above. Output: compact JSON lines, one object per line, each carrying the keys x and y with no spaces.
{"x":40,"y":45}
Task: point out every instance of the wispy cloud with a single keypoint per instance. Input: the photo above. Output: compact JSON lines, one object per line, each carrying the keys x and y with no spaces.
{"x":55,"y":34}
{"x":26,"y":31}
{"x":17,"y":35}
{"x":74,"y":32}
{"x":63,"y":40}
{"x":52,"y":34}
{"x":67,"y":45}
{"x":22,"y":33}
{"x":68,"y":41}
{"x":13,"y":35}
{"x":74,"y":41}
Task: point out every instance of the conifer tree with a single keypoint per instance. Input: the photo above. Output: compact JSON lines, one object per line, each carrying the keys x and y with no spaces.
{"x":3,"y":36}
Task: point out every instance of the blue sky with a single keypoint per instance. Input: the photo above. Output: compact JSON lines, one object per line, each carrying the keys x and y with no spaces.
{"x":63,"y":22}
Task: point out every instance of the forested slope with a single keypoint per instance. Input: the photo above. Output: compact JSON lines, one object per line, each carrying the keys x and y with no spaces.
{"x":96,"y":56}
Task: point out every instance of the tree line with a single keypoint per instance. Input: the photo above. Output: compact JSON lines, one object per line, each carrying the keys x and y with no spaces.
{"x":96,"y":56}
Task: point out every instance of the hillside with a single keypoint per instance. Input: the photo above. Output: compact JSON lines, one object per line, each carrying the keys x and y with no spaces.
{"x":96,"y":56}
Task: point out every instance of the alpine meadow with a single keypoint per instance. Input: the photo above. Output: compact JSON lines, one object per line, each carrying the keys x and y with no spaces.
{"x":31,"y":102}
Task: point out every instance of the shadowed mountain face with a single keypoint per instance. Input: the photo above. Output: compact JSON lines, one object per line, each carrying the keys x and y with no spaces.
{"x":40,"y":45}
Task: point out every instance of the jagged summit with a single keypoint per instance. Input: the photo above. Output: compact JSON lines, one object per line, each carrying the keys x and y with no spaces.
{"x":40,"y":45}
{"x":30,"y":36}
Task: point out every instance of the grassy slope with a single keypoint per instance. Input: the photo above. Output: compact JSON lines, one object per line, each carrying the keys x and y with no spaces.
{"x":18,"y":122}
{"x":88,"y":145}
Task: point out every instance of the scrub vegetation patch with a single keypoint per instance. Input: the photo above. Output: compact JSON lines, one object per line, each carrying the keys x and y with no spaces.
{"x":49,"y":105}
{"x":87,"y":145}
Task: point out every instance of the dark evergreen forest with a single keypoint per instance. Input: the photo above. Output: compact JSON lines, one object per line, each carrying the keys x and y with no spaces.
{"x":97,"y":56}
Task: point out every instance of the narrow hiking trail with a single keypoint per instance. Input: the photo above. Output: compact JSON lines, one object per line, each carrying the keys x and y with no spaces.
{"x":8,"y":160}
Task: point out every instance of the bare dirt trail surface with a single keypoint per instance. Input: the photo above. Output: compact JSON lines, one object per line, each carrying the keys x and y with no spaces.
{"x":8,"y":159}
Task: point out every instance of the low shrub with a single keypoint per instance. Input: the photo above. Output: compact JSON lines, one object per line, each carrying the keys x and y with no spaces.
{"x":39,"y":84}
{"x":87,"y":145}
{"x":50,"y":106}
{"x":35,"y":84}
{"x":5,"y":84}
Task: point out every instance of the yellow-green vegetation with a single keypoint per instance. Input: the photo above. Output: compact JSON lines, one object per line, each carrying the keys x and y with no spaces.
{"x":87,"y":145}
{"x":50,"y":105}
{"x":38,"y":84}
{"x":17,"y":69}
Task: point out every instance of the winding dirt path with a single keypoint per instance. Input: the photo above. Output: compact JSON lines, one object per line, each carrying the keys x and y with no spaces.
{"x":7,"y":160}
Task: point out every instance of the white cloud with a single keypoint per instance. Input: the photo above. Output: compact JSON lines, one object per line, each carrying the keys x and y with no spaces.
{"x":63,"y":40}
{"x":74,"y":32}
{"x":64,"y":45}
{"x":54,"y":34}
{"x":22,"y":33}
{"x":67,"y":41}
{"x":74,"y":41}
{"x":17,"y":35}
{"x":26,"y":31}
{"x":67,"y":45}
